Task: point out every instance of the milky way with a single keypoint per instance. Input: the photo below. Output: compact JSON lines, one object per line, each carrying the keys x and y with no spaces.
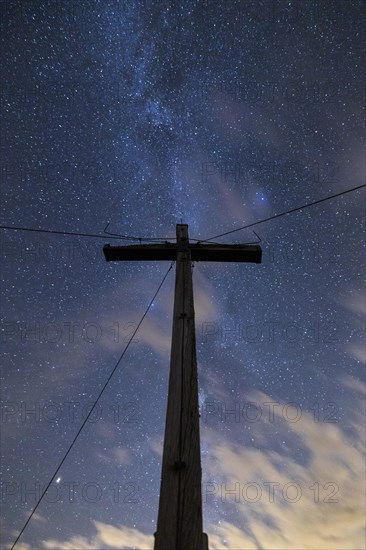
{"x":219,"y":114}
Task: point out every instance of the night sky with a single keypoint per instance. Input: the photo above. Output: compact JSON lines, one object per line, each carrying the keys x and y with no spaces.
{"x":217,"y":114}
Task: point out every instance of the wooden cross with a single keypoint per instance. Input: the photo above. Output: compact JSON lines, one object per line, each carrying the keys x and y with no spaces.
{"x":179,"y":525}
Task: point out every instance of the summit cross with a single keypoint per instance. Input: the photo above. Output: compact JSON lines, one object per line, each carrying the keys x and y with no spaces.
{"x":179,"y":525}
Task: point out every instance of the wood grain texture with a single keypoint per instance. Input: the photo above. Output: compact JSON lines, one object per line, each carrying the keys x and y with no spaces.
{"x":180,"y":508}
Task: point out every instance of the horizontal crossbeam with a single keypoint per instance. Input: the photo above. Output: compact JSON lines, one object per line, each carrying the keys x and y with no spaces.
{"x":199,"y":252}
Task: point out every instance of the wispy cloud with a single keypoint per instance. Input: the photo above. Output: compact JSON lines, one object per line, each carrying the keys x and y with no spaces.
{"x":116,"y":456}
{"x":106,"y":536}
{"x":325,"y":463}
{"x":332,"y":471}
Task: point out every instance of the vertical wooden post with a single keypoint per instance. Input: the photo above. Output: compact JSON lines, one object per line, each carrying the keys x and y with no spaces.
{"x":180,"y":506}
{"x":179,"y":525}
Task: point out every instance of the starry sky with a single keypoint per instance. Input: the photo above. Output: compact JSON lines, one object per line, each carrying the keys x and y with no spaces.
{"x":142,"y":115}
